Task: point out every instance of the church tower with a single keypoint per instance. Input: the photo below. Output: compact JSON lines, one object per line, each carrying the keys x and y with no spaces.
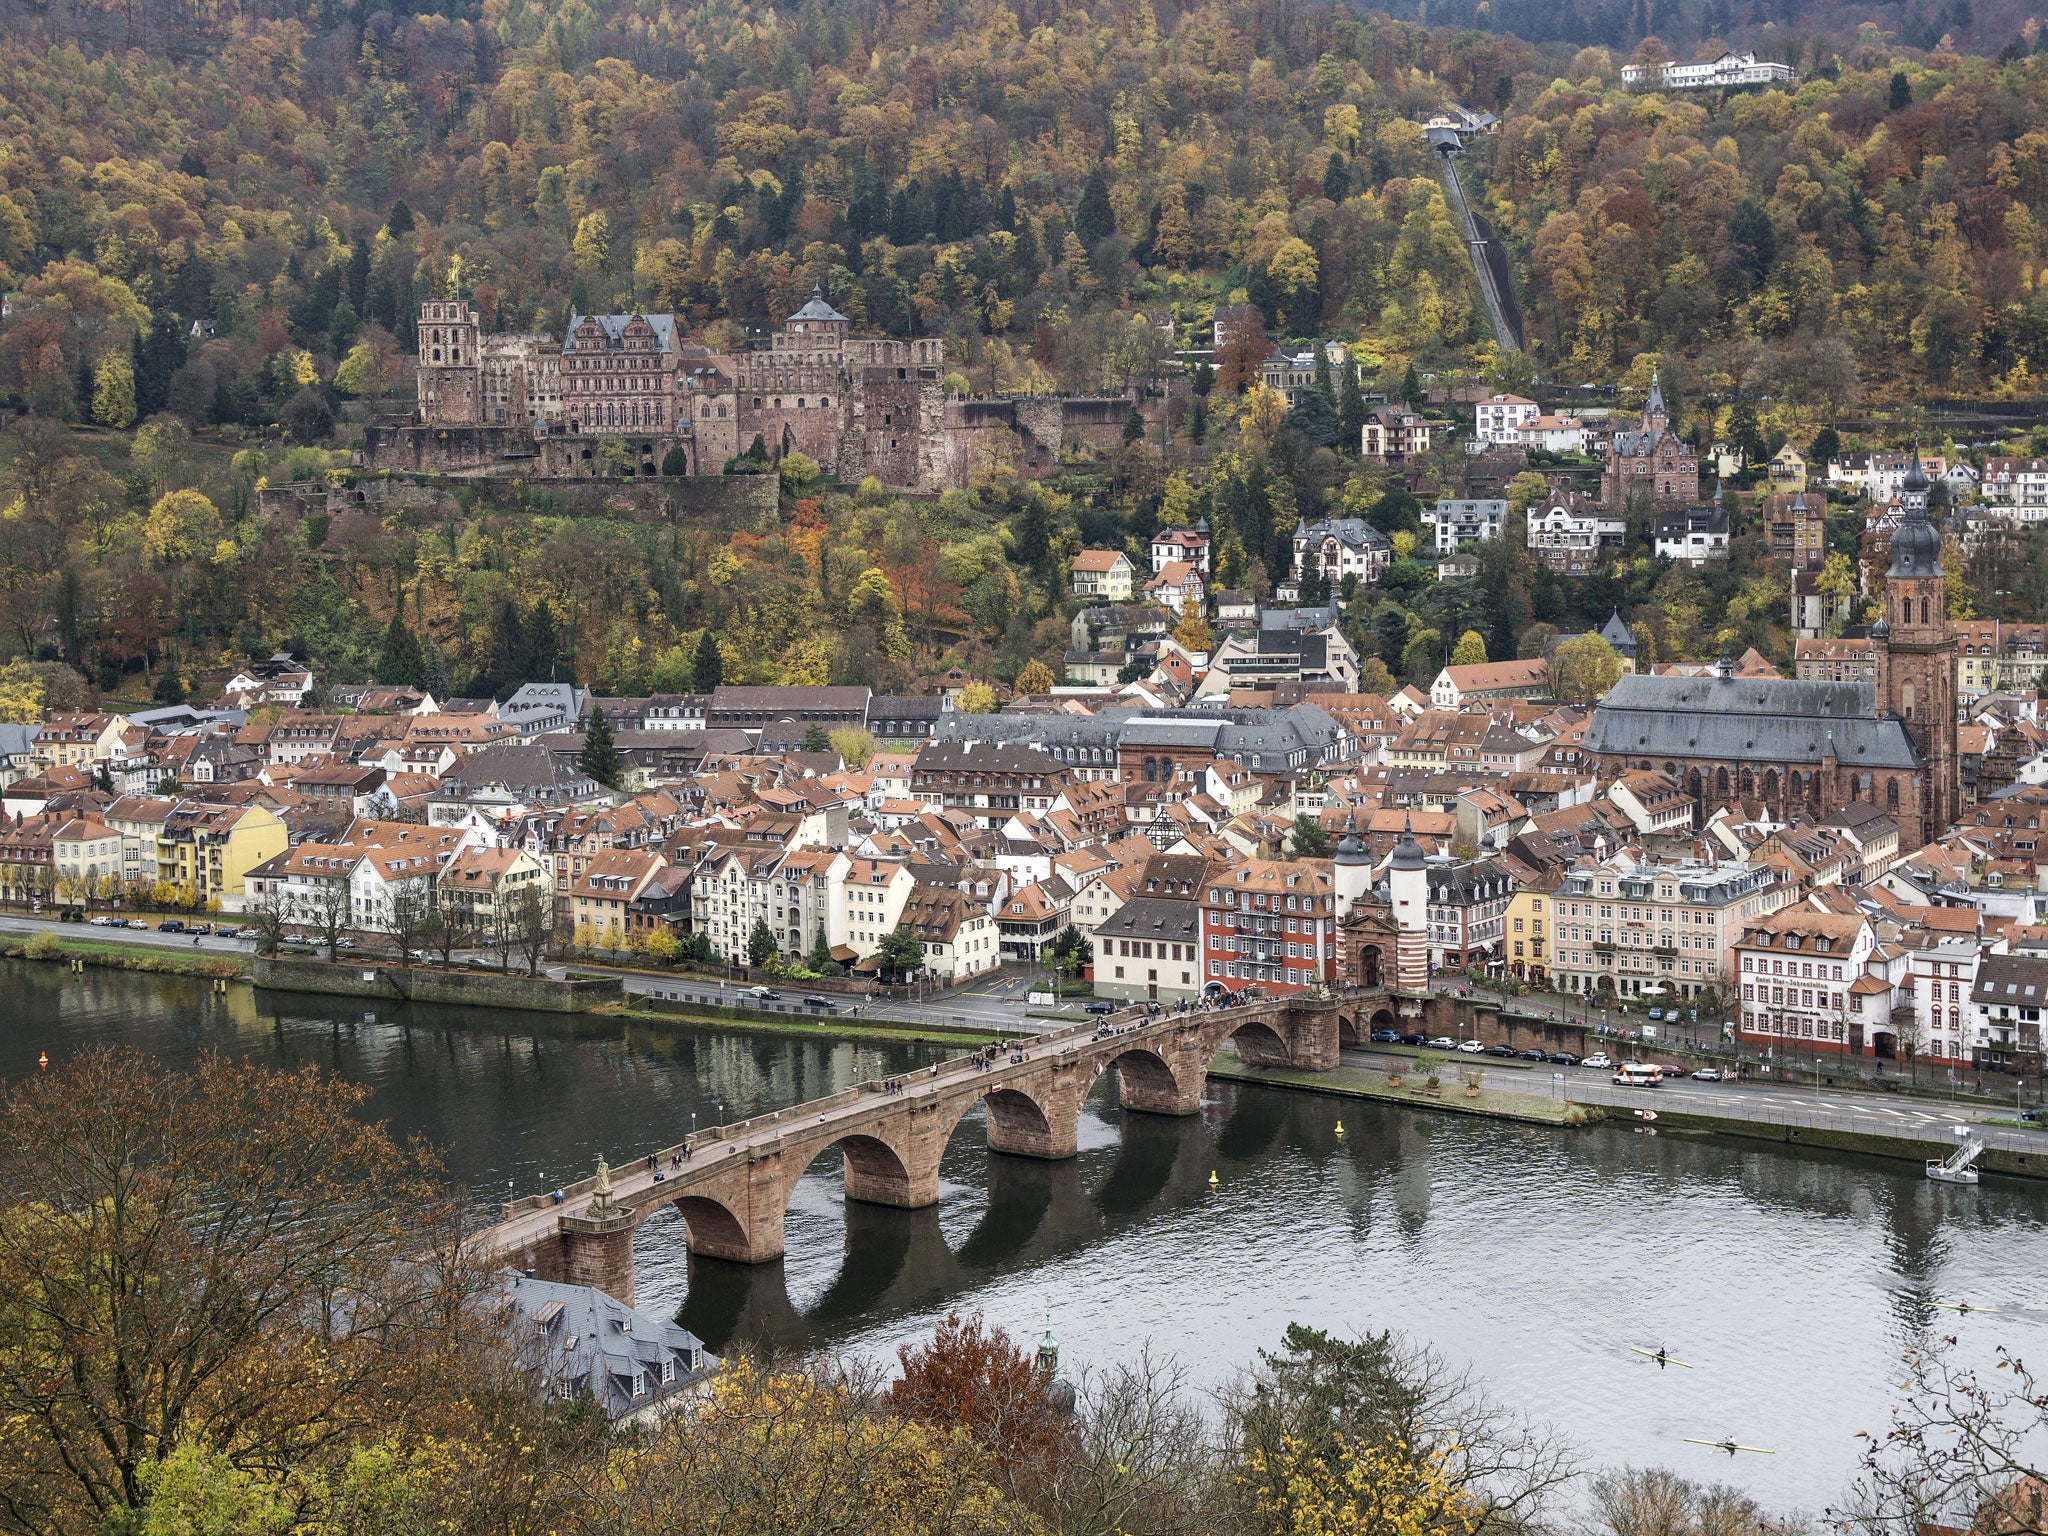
{"x":1916,"y":662}
{"x":450,"y":368}
{"x":1655,"y":417}
{"x":1408,"y":889}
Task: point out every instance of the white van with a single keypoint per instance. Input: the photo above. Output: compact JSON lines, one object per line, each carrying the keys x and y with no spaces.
{"x":1637,"y":1074}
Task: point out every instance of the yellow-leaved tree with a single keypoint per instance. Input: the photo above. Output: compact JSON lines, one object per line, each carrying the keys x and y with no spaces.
{"x":1357,"y":1489}
{"x":1035,"y":678}
{"x":978,"y":699}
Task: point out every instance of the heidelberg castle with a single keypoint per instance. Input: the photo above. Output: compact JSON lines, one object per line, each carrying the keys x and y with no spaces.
{"x":857,"y":405}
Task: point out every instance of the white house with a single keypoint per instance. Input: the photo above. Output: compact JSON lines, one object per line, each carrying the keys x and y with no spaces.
{"x":1693,"y":535}
{"x":1186,"y":544}
{"x":1341,"y":546}
{"x":1555,"y":434}
{"x":2015,"y":482}
{"x":1459,"y":521}
{"x":1499,"y":419}
{"x":1570,"y":533}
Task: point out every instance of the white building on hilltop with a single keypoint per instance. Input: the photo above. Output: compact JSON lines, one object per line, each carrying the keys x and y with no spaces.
{"x":1730,"y":69}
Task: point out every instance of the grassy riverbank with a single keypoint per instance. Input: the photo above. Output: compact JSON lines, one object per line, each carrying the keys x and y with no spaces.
{"x":55,"y":948}
{"x":1414,"y":1093}
{"x":823,"y":1027}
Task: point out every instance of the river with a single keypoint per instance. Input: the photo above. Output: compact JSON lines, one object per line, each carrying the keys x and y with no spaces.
{"x":1791,"y":1280}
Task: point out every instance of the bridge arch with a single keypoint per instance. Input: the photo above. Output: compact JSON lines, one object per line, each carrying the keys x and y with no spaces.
{"x":875,"y":1172}
{"x":711,"y":1227}
{"x":1258,"y":1044}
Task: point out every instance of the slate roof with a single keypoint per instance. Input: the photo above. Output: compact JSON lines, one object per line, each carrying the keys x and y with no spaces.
{"x":614,"y":328}
{"x":816,"y":308}
{"x":1747,"y":720}
{"x":1154,"y":917}
{"x":576,"y":1337}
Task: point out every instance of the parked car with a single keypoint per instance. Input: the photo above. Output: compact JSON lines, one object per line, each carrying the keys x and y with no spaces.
{"x":1669,"y":1070}
{"x":170,"y":925}
{"x":199,"y":928}
{"x":1706,"y":1075}
{"x":1415,"y":1039}
{"x":1532,"y":1055}
{"x":1506,"y":1051}
{"x":1386,"y":1036}
{"x":105,"y":922}
{"x":1656,"y":1014}
{"x":1099,"y":1009}
{"x":1563,"y":1059}
{"x":1471,"y":1048}
{"x":136,"y":922}
{"x":1597,"y":1061}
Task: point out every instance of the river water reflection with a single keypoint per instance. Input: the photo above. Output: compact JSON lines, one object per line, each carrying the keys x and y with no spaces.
{"x":1790,"y":1279}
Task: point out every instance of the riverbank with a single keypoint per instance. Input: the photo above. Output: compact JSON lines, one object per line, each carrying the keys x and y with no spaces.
{"x":57,"y":948}
{"x":2015,"y":1161}
{"x":1449,"y":1098}
{"x":824,"y":1026}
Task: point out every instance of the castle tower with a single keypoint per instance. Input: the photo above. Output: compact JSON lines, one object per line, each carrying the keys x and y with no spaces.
{"x":1352,"y":868}
{"x":450,"y":364}
{"x":1916,"y":662}
{"x":1408,"y":889}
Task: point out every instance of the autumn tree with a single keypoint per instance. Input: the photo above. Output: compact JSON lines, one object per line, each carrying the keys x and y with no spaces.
{"x":1470,"y":650}
{"x":228,"y":1258}
{"x":972,"y":1376}
{"x":1583,"y":668}
{"x":1035,"y":678}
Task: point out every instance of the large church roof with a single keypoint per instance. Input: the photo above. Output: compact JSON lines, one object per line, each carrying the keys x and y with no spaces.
{"x":815,"y":308}
{"x":1760,"y":720}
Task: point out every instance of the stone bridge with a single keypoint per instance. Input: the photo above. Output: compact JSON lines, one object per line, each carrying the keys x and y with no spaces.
{"x":735,"y":1184}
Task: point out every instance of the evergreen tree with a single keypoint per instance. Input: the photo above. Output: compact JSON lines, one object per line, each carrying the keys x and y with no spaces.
{"x":1320,"y":381}
{"x":1026,"y":261}
{"x":761,"y":946}
{"x":1336,"y":178}
{"x":600,"y":755}
{"x":433,"y":668}
{"x":398,"y":223}
{"x":399,"y":663}
{"x":1901,"y":92}
{"x":83,"y":386}
{"x":543,"y":661}
{"x":1350,"y":408}
{"x":709,"y":671}
{"x":1094,"y":219}
{"x":821,"y":959}
{"x":816,"y":739}
{"x":1411,"y":385}
{"x":508,"y":653}
{"x":1134,"y":427}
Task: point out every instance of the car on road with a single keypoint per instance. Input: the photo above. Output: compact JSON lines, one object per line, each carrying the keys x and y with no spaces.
{"x":170,"y":925}
{"x":1099,"y":1009}
{"x":1669,"y":1070}
{"x":1597,"y":1061}
{"x":825,"y":1003}
{"x":104,"y":922}
{"x":1563,"y":1059}
{"x":1471,"y":1048}
{"x":1386,"y":1036}
{"x":1656,"y":1014}
{"x":1505,"y":1051}
{"x":766,"y":994}
{"x":1412,"y":1039}
{"x":201,"y":928}
{"x":1442,"y":1043}
{"x":1706,"y":1075}
{"x":1532,"y":1055}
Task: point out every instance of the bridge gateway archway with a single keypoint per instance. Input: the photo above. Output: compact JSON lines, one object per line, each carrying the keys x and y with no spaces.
{"x":734,"y":1188}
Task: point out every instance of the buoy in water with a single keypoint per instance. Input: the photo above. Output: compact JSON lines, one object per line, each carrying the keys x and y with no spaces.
{"x":43,"y":1060}
{"x":1212,"y":1178}
{"x":1340,"y":1127}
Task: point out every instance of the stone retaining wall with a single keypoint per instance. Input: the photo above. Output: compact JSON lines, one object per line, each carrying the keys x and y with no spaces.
{"x":419,"y":984}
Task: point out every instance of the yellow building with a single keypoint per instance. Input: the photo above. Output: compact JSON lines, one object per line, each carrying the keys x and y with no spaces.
{"x":1788,"y":472}
{"x":1526,"y":932}
{"x":209,"y":850}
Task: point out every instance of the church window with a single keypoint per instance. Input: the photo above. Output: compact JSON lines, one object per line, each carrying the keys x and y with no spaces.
{"x":1891,"y":793}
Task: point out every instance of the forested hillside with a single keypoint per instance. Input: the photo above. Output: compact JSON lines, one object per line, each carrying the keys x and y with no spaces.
{"x":224,"y":231}
{"x":993,"y":172}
